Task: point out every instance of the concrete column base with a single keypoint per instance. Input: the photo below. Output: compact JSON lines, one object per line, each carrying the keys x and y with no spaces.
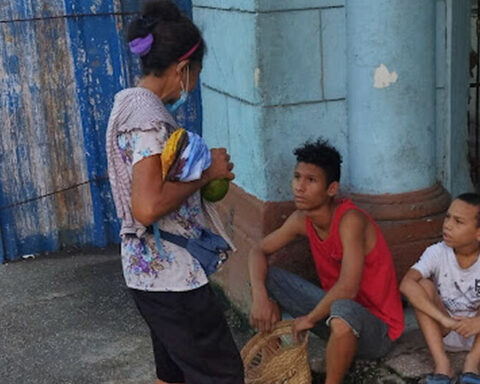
{"x":409,"y":221}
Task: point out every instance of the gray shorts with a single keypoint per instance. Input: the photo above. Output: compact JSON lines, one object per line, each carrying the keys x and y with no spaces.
{"x":298,"y":297}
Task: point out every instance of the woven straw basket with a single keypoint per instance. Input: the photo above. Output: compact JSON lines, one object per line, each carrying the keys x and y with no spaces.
{"x":274,"y":358}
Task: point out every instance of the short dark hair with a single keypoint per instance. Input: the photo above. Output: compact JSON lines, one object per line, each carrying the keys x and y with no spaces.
{"x":472,"y":198}
{"x":174,"y":34}
{"x":323,"y":155}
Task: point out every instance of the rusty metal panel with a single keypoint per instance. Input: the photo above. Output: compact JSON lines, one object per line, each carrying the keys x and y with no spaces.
{"x":61,"y":62}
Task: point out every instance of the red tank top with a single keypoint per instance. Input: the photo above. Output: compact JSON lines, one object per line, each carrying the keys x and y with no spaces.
{"x":378,"y":290}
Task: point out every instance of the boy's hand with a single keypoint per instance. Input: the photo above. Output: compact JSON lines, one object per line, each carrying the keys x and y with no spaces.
{"x":221,"y":167}
{"x":449,"y":323}
{"x":301,"y":324}
{"x":264,"y":314}
{"x":467,"y":326}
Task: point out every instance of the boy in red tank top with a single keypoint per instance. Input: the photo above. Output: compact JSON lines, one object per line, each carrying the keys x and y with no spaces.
{"x":358,"y":305}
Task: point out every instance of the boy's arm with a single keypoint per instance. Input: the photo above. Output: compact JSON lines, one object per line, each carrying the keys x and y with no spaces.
{"x":264,"y":312}
{"x":352,"y":233}
{"x":417,"y":296}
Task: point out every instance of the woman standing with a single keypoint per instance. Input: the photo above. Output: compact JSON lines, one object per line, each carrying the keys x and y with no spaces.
{"x":191,"y":340}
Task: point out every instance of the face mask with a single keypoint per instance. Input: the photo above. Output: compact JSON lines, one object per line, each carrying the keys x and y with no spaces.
{"x":172,"y":108}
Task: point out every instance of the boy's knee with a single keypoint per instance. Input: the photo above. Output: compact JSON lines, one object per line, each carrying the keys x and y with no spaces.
{"x":339,"y":327}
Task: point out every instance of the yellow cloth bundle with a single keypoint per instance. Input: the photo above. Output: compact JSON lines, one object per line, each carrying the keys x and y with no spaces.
{"x":170,"y":152}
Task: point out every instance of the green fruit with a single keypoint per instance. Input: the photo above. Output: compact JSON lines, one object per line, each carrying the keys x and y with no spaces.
{"x":215,"y":190}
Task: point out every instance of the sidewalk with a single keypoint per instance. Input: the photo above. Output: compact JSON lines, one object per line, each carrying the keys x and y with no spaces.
{"x":67,"y":318}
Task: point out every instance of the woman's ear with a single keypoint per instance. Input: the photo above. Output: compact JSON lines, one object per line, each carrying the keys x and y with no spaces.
{"x":182,"y":65}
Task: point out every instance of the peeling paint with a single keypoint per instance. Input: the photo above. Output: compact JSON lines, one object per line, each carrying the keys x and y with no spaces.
{"x":57,"y":82}
{"x":383,"y":78}
{"x":257,"y":76}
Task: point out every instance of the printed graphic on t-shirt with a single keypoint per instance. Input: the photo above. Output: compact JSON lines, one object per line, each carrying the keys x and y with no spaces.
{"x":462,"y":300}
{"x":477,"y":287}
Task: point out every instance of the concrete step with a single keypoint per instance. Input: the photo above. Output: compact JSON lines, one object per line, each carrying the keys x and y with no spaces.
{"x":408,"y":362}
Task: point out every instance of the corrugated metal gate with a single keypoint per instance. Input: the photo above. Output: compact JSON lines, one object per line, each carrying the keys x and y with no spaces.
{"x":61,"y":62}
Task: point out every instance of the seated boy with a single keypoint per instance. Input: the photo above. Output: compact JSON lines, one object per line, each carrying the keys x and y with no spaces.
{"x":444,"y":288}
{"x":359,"y":295}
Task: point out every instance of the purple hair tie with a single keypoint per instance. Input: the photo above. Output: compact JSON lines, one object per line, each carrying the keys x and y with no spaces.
{"x":141,"y":45}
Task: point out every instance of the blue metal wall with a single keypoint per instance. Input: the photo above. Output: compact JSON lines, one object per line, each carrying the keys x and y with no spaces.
{"x":61,"y":62}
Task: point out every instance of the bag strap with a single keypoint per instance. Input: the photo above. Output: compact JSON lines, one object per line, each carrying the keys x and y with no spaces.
{"x":175,"y":239}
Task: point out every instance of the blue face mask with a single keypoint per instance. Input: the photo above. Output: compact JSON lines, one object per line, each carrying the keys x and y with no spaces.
{"x":172,"y":108}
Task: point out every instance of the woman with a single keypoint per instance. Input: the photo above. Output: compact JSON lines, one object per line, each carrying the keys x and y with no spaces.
{"x":191,"y":339}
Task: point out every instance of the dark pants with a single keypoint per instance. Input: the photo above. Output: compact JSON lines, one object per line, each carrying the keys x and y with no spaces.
{"x":191,"y":339}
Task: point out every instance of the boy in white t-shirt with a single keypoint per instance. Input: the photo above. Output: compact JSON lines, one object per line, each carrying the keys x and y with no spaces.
{"x":444,"y":289}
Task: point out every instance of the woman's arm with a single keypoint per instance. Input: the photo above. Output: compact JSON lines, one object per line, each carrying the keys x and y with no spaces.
{"x":153,"y":198}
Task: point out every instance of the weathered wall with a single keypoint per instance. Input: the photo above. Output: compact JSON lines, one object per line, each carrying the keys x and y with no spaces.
{"x":61,"y":62}
{"x":275,"y":75}
{"x":280,"y":72}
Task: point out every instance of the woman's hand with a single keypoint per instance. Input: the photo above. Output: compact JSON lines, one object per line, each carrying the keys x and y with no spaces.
{"x":221,"y":167}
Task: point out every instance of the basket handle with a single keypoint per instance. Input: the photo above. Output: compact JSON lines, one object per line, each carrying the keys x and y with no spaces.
{"x":280,"y":328}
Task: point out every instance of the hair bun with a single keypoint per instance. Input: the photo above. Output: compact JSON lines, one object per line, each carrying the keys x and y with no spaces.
{"x":162,"y":10}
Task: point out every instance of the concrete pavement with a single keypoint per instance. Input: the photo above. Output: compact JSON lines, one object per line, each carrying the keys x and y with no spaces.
{"x":67,"y":318}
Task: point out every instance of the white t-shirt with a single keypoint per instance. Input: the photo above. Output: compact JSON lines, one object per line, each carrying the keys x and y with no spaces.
{"x":458,"y":288}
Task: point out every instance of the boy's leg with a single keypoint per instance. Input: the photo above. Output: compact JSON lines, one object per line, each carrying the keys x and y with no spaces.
{"x":354,"y":331}
{"x":341,"y":349}
{"x":472,"y":360}
{"x":433,"y":331}
{"x":295,"y":295}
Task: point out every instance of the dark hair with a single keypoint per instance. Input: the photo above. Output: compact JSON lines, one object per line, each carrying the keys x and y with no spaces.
{"x":472,"y":199}
{"x":323,"y":155}
{"x":174,"y":34}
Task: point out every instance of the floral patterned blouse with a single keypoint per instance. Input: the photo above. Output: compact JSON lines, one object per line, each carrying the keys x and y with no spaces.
{"x":145,"y":267}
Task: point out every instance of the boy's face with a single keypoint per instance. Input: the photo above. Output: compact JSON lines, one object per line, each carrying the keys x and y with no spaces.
{"x":310,"y":187}
{"x":460,"y":225}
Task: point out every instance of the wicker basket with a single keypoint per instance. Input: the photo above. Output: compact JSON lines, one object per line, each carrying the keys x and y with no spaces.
{"x":274,"y":358}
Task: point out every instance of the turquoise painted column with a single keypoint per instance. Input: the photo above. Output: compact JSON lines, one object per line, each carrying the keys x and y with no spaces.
{"x":391,"y":95}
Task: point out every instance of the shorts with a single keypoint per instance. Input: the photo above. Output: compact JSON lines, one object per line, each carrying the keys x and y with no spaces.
{"x":454,"y":342}
{"x":297,"y":297}
{"x":192,"y":343}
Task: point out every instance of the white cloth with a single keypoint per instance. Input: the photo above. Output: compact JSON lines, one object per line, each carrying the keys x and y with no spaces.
{"x":458,"y":288}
